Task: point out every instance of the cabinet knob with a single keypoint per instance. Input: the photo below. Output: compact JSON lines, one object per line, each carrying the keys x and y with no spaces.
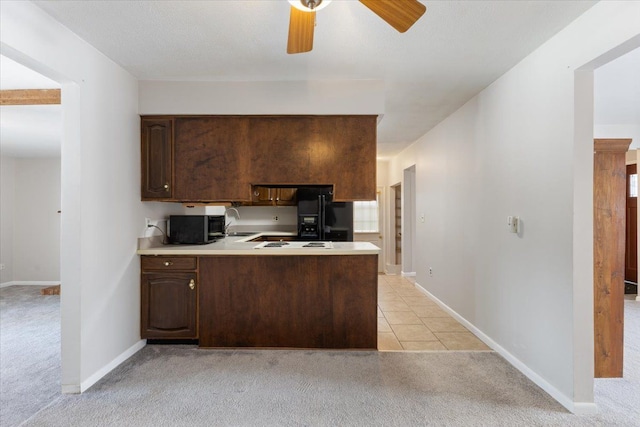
{"x":167,"y":263}
{"x":256,"y":193}
{"x":166,"y":187}
{"x":192,"y":284}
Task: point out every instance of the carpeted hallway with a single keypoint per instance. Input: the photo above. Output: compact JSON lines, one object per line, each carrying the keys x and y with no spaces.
{"x":185,"y":386}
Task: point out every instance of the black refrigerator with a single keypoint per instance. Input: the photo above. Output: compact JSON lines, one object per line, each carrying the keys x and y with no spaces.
{"x":320,"y":218}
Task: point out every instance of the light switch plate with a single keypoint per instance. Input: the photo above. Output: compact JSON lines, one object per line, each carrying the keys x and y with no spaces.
{"x":512,"y":224}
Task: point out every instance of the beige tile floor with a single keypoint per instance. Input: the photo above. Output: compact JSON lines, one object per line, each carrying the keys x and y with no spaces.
{"x":409,"y":320}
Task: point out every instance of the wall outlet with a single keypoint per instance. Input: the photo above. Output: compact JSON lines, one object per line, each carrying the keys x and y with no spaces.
{"x":147,"y":222}
{"x":1,"y":266}
{"x":430,"y":271}
{"x":421,"y":217}
{"x":275,"y":217}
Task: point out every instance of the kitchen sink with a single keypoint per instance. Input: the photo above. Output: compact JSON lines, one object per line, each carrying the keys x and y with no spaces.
{"x":243,"y":233}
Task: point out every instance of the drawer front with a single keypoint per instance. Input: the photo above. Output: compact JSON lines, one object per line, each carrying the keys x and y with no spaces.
{"x":168,"y":263}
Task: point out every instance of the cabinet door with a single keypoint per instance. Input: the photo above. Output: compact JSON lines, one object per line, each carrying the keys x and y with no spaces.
{"x":350,"y":163}
{"x":262,"y":196}
{"x":281,"y":151}
{"x":212,"y":159}
{"x":169,"y":302}
{"x":157,"y":136}
{"x":286,"y":197}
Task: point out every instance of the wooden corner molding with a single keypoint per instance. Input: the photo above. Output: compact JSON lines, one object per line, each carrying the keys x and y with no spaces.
{"x":614,"y":145}
{"x":30,"y":97}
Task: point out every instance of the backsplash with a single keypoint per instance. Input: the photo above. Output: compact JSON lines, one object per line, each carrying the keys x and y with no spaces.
{"x":255,"y":218}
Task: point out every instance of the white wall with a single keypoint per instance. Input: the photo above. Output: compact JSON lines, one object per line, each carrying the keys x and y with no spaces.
{"x":101,"y":209}
{"x":261,"y":218}
{"x":7,"y":194}
{"x":619,"y":131}
{"x":290,"y":97}
{"x":516,"y":149}
{"x":36,"y":221}
{"x":382,"y":179}
{"x":617,"y":98}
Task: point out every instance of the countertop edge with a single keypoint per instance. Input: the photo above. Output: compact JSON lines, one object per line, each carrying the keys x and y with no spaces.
{"x":258,"y":252}
{"x":240,"y":245}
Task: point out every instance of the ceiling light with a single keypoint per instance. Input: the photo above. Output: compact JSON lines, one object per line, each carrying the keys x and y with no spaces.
{"x":309,"y":5}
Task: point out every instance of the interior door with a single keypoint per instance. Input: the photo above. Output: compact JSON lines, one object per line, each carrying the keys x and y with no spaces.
{"x":631,"y":240}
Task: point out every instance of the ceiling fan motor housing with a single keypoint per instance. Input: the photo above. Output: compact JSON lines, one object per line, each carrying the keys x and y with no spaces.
{"x":309,"y":5}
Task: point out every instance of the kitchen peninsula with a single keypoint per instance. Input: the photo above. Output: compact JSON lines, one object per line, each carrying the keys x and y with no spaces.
{"x":240,"y":293}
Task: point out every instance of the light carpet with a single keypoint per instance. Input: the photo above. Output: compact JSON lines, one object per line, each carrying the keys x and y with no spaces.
{"x":185,"y":386}
{"x":623,"y":394}
{"x":29,"y":352}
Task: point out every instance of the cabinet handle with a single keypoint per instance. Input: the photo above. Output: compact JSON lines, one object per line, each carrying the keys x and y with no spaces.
{"x":166,"y":187}
{"x":167,"y":263}
{"x":192,"y":284}
{"x":256,"y":193}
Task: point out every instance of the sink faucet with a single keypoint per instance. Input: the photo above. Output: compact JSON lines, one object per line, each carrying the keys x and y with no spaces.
{"x":226,"y":227}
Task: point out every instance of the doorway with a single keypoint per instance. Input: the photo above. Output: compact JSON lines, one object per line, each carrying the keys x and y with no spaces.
{"x":408,"y":215}
{"x":30,"y":212}
{"x":368,"y":224}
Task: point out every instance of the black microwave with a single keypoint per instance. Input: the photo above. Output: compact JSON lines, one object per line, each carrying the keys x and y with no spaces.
{"x":195,"y":229}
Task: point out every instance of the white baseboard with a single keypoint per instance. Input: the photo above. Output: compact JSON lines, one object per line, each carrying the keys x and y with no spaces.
{"x":581,"y":408}
{"x":578,"y":408}
{"x":408,"y":274}
{"x":70,"y":389}
{"x":97,"y":376}
{"x":393,"y":269}
{"x":30,"y":283}
{"x":638,"y":297}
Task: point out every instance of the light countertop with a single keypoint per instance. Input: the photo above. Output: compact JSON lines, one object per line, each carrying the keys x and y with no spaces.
{"x":240,"y":245}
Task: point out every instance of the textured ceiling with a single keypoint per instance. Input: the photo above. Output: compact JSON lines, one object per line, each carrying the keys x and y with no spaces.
{"x":454,"y":51}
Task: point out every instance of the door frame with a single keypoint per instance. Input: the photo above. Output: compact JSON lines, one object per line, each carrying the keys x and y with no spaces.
{"x":408,"y":221}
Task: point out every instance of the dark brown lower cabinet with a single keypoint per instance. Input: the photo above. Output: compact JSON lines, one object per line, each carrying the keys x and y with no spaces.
{"x":288,"y":301}
{"x":169,"y":305}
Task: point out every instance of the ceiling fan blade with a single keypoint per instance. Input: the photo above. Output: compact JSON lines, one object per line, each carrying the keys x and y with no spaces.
{"x":400,"y":14}
{"x":301,"y":25}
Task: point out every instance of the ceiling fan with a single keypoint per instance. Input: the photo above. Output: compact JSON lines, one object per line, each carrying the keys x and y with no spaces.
{"x":400,"y":14}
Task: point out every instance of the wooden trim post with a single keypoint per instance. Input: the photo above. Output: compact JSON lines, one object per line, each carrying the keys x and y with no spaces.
{"x":609,"y":210}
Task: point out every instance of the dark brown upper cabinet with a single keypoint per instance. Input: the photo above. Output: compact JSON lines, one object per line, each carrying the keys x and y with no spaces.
{"x":212,"y":159}
{"x":157,"y":141}
{"x":220,"y":158}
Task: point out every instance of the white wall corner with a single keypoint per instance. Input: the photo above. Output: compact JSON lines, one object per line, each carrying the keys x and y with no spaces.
{"x":98,"y":375}
{"x":578,"y":408}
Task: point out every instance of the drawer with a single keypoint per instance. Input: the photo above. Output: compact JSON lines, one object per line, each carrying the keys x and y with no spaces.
{"x":168,"y":263}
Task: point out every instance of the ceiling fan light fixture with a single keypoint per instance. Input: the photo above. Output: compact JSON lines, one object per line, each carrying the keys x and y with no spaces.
{"x":309,"y":5}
